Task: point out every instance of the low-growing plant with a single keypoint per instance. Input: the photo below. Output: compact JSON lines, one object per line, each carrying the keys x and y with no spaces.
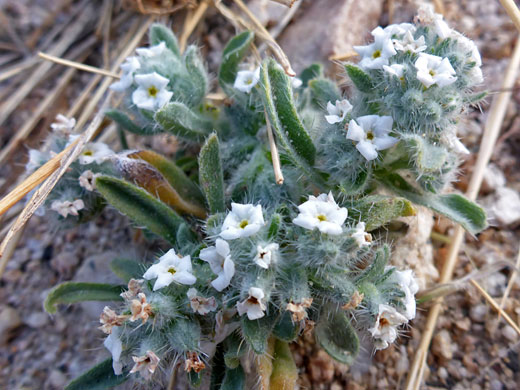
{"x":255,"y":262}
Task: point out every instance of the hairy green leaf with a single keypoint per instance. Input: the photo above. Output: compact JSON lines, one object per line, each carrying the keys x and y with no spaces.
{"x":378,"y":210}
{"x":311,"y":72}
{"x":233,"y":53}
{"x":99,"y":377}
{"x":73,"y":292}
{"x":360,"y":79}
{"x":160,"y":33}
{"x":127,"y":269}
{"x":336,"y":335}
{"x":198,"y":74}
{"x":140,"y":207}
{"x":210,"y":174}
{"x":323,"y":91}
{"x":124,"y":121}
{"x":178,"y":119}
{"x":454,"y":206}
{"x":234,"y":379}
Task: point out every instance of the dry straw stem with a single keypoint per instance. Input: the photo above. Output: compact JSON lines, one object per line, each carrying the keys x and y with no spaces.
{"x":78,"y":65}
{"x":496,"y":306}
{"x":68,"y":37}
{"x":512,"y":11}
{"x":278,"y":175}
{"x":67,"y":156}
{"x":491,"y":132}
{"x":439,"y":6}
{"x":191,"y":22}
{"x":288,"y":3}
{"x":264,"y":34}
{"x":514,"y":275}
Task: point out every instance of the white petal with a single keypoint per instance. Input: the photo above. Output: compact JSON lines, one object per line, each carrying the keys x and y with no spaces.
{"x":222,"y":247}
{"x":164,"y":279}
{"x":330,"y":228}
{"x":355,"y":132}
{"x":255,"y":312}
{"x":385,"y":142}
{"x":367,"y":149}
{"x":306,"y":221}
{"x":183,"y":277}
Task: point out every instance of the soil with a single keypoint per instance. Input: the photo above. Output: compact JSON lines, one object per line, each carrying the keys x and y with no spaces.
{"x":471,"y":348}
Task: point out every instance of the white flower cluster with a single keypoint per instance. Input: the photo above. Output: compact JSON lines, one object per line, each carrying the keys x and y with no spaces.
{"x":385,"y":329}
{"x":151,"y":92}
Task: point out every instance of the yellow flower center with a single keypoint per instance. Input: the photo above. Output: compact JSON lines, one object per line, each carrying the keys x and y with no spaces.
{"x":370,"y":135}
{"x":172,"y":270}
{"x":432,"y":72}
{"x":152,"y":91}
{"x":376,"y":54}
{"x":321,"y":218}
{"x":244,"y":223}
{"x":88,"y":153}
{"x":249,"y":81}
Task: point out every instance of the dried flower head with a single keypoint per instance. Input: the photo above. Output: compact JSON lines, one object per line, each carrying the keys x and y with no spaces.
{"x":87,"y":180}
{"x":193,"y":362}
{"x":145,"y":365}
{"x":140,"y":308}
{"x":354,"y":302}
{"x":109,"y":318}
{"x":67,"y":207}
{"x":298,"y":310}
{"x":134,"y":288}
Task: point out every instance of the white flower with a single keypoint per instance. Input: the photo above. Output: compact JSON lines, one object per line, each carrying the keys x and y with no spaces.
{"x":410,"y":287}
{"x":375,"y":55}
{"x":384,"y":330}
{"x":200,"y":304}
{"x":396,"y":29}
{"x":129,"y":67}
{"x":145,"y":365}
{"x":296,"y":82}
{"x":243,"y":220}
{"x":94,"y":152}
{"x":151,"y":93}
{"x":36,"y":160}
{"x":409,"y":44}
{"x":371,"y":134}
{"x":361,"y":236}
{"x":450,"y":139}
{"x":246,"y":80}
{"x":475,"y":75}
{"x":66,"y":207}
{"x":87,"y":180}
{"x":63,"y":124}
{"x":219,"y":260}
{"x":434,"y":70}
{"x":115,"y":346}
{"x":152,"y":51}
{"x":253,"y":305}
{"x":322,"y":213}
{"x":441,"y":27}
{"x":338,"y":112}
{"x":171,"y":268}
{"x":468,"y":46}
{"x":265,"y":255}
{"x":396,"y":70}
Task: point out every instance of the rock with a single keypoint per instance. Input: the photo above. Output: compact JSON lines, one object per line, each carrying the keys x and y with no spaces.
{"x":96,"y":268}
{"x":321,"y":367}
{"x":493,"y":178}
{"x":37,"y":320}
{"x":329,"y":27}
{"x":268,"y":12}
{"x":442,"y":345}
{"x":56,"y":380}
{"x":414,"y":249}
{"x":478,"y":313}
{"x":503,"y":207}
{"x":509,"y":333}
{"x":9,"y":320}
